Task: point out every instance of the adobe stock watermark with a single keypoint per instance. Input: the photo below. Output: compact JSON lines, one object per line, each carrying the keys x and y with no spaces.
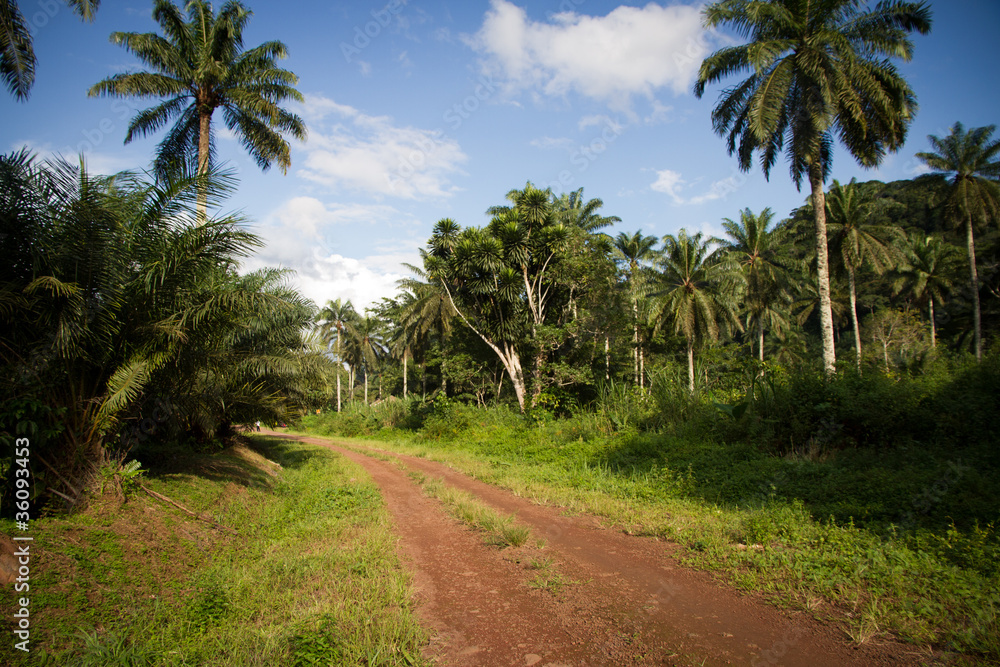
{"x":425,"y":146}
{"x":45,"y":11}
{"x":564,"y":7}
{"x":363,"y":35}
{"x":584,"y":155}
{"x":93,"y":137}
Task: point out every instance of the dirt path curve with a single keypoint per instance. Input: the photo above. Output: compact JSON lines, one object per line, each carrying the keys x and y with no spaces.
{"x":630,"y":602}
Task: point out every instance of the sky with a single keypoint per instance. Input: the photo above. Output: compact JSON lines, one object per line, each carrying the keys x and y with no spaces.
{"x":420,"y":110}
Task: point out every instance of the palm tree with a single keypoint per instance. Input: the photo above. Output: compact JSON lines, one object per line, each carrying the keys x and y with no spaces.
{"x":857,"y":239}
{"x":818,"y":70}
{"x":971,"y":159}
{"x":429,"y":310}
{"x":364,"y":346}
{"x":758,"y":250}
{"x":17,"y":53}
{"x":635,"y":250}
{"x":200,"y":66}
{"x":573,"y":211}
{"x":697,"y":292}
{"x":337,"y":320}
{"x":926,"y":272}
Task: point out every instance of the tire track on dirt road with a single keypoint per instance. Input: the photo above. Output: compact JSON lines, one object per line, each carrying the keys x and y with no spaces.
{"x":630,"y":603}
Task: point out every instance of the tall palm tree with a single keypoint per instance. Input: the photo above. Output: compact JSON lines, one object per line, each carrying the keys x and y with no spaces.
{"x":818,"y":70}
{"x":365,"y":347}
{"x":17,"y":53}
{"x":636,"y":250}
{"x":199,"y":65}
{"x":971,"y":159}
{"x":337,"y":320}
{"x":857,"y":240}
{"x":926,"y":272}
{"x":697,"y":292}
{"x":758,"y":250}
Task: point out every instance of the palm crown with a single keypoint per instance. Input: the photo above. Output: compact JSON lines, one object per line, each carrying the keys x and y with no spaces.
{"x":198,"y":66}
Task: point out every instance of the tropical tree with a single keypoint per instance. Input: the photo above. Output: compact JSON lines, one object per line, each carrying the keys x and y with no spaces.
{"x":499,"y":278}
{"x":970,"y":159}
{"x":114,"y":302}
{"x":858,"y":239}
{"x":428,"y":310}
{"x":574,"y":211}
{"x":817,"y":70}
{"x":364,"y":346}
{"x":925,"y":273}
{"x":758,"y":249}
{"x":17,"y":53}
{"x":336,"y":320}
{"x":199,"y":65}
{"x":636,"y":251}
{"x":696,"y":293}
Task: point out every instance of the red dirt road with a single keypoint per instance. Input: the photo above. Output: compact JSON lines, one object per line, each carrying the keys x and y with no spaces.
{"x":629,"y":603}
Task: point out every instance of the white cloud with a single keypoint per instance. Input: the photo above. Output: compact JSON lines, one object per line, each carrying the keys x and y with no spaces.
{"x":669,"y":182}
{"x":631,"y":51}
{"x":673,"y":184}
{"x":364,"y":153}
{"x":296,"y":235}
{"x":659,"y":114}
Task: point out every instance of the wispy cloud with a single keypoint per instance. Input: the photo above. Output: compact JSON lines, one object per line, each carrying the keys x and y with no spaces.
{"x":673,"y":184}
{"x":350,"y":150}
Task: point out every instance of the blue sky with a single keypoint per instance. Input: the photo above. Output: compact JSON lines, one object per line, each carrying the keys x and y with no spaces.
{"x":428,"y":109}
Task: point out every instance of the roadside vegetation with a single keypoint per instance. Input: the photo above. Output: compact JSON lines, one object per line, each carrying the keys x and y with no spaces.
{"x":866,"y":499}
{"x":309,"y":577}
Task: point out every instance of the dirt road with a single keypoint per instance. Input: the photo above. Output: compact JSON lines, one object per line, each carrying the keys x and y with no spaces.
{"x":626,"y":600}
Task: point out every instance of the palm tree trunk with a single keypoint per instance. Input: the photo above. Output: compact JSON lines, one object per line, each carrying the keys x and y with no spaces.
{"x":404,"y":375}
{"x":338,"y":389}
{"x":933,"y":326}
{"x":366,"y":386}
{"x":823,"y":267}
{"x":974,"y":275}
{"x":607,"y":358}
{"x":642,"y":367}
{"x":854,"y":316}
{"x":635,"y":339}
{"x":204,"y":150}
{"x":760,"y":342}
{"x":691,"y":366}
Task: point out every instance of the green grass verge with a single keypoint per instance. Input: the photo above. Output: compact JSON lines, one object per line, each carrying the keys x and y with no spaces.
{"x":311,"y":579}
{"x":871,"y":582}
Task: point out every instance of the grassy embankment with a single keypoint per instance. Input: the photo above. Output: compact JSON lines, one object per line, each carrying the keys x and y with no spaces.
{"x":310,"y":577}
{"x":861,"y":537}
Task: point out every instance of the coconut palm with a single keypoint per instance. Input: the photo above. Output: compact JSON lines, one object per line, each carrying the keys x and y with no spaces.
{"x":635,"y":251}
{"x":971,"y":160}
{"x":17,"y":53}
{"x":696,"y":292}
{"x":926,"y":272}
{"x":817,"y":70}
{"x":857,"y":240}
{"x":199,"y":65}
{"x":427,"y":311}
{"x":336,"y":320}
{"x":758,"y":250}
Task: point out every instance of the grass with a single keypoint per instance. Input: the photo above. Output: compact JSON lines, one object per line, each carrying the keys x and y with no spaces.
{"x":741,"y":515}
{"x":499,"y":529}
{"x":310,"y":579}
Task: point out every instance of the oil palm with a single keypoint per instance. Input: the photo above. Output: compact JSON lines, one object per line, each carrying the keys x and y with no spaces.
{"x":197,"y":66}
{"x":17,"y":53}
{"x":337,"y":319}
{"x":636,"y":251}
{"x":925,"y":272}
{"x":971,"y":159}
{"x":758,"y":250}
{"x":818,"y":71}
{"x":857,"y":239}
{"x":696,"y":292}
